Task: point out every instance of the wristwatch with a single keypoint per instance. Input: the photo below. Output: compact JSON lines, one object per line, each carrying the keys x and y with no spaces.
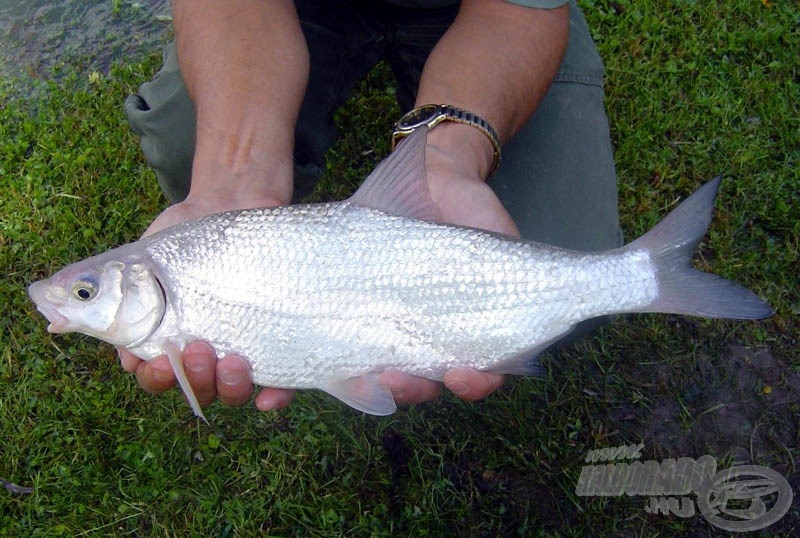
{"x":433,"y":115}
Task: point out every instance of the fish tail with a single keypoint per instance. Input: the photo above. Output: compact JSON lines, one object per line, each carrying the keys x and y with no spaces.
{"x":682,"y":289}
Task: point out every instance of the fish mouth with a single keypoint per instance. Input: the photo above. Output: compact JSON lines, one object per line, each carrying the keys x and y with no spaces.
{"x":38,"y":292}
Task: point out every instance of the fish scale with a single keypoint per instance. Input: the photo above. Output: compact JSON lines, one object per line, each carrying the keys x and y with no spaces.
{"x":394,"y":293}
{"x":328,"y":296}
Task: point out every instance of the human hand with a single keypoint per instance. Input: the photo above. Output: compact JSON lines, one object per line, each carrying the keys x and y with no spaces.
{"x":247,"y":94}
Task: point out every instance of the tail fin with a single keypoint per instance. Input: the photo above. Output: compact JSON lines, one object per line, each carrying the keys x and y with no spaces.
{"x":682,"y":289}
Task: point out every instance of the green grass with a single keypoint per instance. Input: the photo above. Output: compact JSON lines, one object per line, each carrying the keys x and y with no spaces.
{"x":692,"y":92}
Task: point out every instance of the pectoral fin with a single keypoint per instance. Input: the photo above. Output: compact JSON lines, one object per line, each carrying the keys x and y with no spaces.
{"x":174,"y":353}
{"x":364,"y":393}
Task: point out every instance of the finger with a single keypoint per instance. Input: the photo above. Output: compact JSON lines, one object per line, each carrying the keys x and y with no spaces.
{"x":270,"y":399}
{"x":470,"y":384}
{"x":156,"y":375}
{"x":128,"y":360}
{"x":234,"y":385}
{"x":200,"y":365}
{"x":408,"y":389}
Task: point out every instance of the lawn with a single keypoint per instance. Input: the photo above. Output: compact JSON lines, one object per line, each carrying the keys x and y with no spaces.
{"x":692,"y":92}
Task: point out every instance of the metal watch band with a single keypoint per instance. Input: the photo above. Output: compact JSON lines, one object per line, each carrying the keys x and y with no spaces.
{"x":432,"y":115}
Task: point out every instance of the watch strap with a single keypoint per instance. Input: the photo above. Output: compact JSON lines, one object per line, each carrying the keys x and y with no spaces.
{"x":432,"y":115}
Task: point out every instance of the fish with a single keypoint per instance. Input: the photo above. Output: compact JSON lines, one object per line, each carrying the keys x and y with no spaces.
{"x":329,"y":295}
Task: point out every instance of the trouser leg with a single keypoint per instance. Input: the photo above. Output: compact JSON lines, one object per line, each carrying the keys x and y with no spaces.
{"x":557,"y":177}
{"x":162,"y":114}
{"x":345,"y":41}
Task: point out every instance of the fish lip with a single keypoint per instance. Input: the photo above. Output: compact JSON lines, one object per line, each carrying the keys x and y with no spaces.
{"x":38,"y":293}
{"x":58,"y":323}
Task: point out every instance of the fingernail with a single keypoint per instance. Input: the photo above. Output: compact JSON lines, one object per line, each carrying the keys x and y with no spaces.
{"x":231,"y":377}
{"x":399,"y":390}
{"x":262,"y":405}
{"x":270,"y":400}
{"x":194,"y":364}
{"x":459,"y":388}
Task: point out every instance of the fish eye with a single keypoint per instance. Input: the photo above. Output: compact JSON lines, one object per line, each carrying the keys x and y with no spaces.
{"x":84,"y":290}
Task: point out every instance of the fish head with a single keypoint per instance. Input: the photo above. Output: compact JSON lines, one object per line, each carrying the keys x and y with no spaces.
{"x":119,"y":301}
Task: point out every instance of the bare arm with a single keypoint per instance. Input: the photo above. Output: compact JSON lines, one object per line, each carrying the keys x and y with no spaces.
{"x":245,"y":64}
{"x":498,"y":61}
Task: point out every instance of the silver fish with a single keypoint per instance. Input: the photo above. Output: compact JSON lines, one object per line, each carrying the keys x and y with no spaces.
{"x":329,"y":295}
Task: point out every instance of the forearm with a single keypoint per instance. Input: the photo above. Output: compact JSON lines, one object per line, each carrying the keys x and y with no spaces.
{"x":245,"y":64}
{"x":496,"y":60}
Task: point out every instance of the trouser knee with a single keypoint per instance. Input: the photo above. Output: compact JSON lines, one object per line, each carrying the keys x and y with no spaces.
{"x":162,"y":114}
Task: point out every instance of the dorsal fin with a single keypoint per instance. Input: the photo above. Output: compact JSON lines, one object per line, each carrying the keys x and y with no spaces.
{"x":398,"y":185}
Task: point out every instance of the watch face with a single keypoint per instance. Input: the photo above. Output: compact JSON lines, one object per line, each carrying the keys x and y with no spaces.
{"x":418,"y":116}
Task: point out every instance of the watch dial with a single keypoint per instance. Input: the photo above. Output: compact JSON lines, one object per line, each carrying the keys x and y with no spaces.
{"x":418,"y":116}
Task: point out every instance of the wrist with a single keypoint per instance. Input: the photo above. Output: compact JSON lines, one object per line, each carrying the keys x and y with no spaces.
{"x":462,"y":148}
{"x":254,"y":183}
